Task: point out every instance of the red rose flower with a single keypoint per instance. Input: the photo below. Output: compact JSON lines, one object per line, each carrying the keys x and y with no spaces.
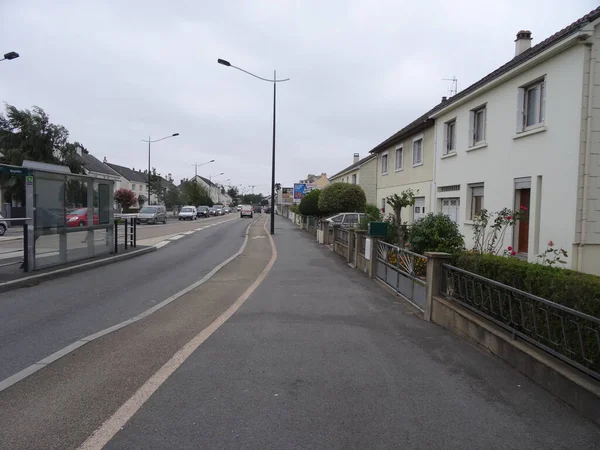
{"x":508,"y":217}
{"x":550,"y":244}
{"x":513,"y":253}
{"x":509,"y":248}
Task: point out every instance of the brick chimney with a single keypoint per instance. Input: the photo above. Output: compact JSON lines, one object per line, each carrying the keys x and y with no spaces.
{"x":356,"y":158}
{"x":105,"y":160}
{"x":522,"y":42}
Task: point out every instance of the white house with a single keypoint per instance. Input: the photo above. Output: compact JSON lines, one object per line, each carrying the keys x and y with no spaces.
{"x":362,"y":172}
{"x":214,"y":190}
{"x":528,"y":136}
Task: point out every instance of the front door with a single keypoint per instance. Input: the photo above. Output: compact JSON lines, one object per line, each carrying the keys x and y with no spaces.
{"x":523,"y":243}
{"x":419,"y":208}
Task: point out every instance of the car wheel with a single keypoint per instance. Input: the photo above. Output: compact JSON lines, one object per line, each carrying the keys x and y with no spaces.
{"x":2,"y":229}
{"x":180,"y":219}
{"x":165,"y":221}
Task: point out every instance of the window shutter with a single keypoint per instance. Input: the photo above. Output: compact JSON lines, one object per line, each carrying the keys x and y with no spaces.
{"x":520,"y":110}
{"x":446,"y":136}
{"x":471,"y":128}
{"x":543,"y":101}
{"x":485,"y":123}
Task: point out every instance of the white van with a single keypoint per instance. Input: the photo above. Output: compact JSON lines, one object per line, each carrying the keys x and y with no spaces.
{"x":188,"y":213}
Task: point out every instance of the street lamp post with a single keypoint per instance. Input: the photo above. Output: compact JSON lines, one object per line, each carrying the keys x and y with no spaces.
{"x":274,"y":81}
{"x":150,"y":141}
{"x":10,"y":55}
{"x":196,"y":165}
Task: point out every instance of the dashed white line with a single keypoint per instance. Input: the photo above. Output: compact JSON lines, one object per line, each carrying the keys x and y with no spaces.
{"x":174,"y":238}
{"x":161,"y":244}
{"x":189,"y":232}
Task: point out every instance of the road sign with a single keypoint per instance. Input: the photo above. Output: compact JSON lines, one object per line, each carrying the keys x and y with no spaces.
{"x":14,"y":170}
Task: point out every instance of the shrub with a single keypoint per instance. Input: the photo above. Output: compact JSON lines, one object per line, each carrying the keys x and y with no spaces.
{"x":436,"y":233}
{"x":309,"y":205}
{"x":570,"y":288}
{"x":125,"y":198}
{"x":372,"y":214}
{"x":342,"y":197}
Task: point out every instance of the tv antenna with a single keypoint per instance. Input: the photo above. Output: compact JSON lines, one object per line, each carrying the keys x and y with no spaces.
{"x":453,"y":86}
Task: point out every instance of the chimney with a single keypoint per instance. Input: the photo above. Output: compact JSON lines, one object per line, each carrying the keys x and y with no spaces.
{"x":78,"y":150}
{"x":105,"y":160}
{"x":444,"y":99}
{"x":522,"y":42}
{"x":356,"y":158}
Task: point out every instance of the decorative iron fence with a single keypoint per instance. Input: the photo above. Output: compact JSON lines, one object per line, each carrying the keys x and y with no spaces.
{"x":404,"y":271}
{"x":340,"y":242}
{"x":568,"y":334}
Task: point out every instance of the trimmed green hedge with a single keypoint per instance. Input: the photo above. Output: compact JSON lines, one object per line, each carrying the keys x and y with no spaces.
{"x":573,"y":289}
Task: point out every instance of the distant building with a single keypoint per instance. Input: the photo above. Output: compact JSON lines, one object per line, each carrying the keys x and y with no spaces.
{"x":362,"y":172}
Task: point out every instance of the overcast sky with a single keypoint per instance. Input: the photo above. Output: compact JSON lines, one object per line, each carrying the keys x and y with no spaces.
{"x":117,"y":71}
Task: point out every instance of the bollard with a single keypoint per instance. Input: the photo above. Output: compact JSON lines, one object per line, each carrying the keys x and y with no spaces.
{"x":134,"y":233}
{"x":126,"y":234}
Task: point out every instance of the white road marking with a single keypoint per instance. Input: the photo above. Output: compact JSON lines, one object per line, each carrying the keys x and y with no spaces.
{"x":110,"y":427}
{"x":174,"y":238}
{"x":161,"y":244}
{"x":189,"y":232}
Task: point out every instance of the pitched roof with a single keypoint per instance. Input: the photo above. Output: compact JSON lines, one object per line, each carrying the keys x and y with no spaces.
{"x":93,"y":164}
{"x":424,"y":121}
{"x":129,"y":174}
{"x":527,"y":54}
{"x":359,"y":163}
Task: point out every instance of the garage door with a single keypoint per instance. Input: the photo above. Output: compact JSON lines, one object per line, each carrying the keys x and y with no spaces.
{"x":419,"y":208}
{"x":450,"y":208}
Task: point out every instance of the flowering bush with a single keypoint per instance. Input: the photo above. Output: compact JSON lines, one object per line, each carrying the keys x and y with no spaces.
{"x":509,"y":252}
{"x":489,"y":229}
{"x":553,"y":256}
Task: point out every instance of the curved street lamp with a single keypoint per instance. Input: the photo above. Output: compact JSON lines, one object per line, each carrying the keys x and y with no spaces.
{"x":10,"y":55}
{"x":274,"y":80}
{"x":150,"y":141}
{"x":196,"y":165}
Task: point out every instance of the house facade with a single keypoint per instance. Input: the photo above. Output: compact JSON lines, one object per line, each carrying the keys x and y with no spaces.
{"x":406,"y":161}
{"x":362,"y":172}
{"x":134,"y":180}
{"x":527,"y":137}
{"x":214,"y":190}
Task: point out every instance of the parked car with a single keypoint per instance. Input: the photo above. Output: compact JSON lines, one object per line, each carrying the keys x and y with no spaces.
{"x":203,"y":211}
{"x":345,"y":219}
{"x":188,"y":213}
{"x":3,"y":226}
{"x":246,"y":211}
{"x":227,"y":210}
{"x":238,"y":208}
{"x":257,"y":209}
{"x":219,"y":209}
{"x":152,"y":214}
{"x":79,"y":218}
{"x":212,"y":211}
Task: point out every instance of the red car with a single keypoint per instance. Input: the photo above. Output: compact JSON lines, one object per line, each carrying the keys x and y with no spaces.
{"x":78,"y":218}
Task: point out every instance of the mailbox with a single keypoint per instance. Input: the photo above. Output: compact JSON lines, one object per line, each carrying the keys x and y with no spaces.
{"x":377,"y":229}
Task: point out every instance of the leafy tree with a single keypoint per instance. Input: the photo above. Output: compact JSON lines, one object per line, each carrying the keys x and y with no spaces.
{"x":173,"y":197}
{"x":436,"y":233}
{"x":252,"y":199}
{"x":156,"y":186}
{"x":233,"y":193}
{"x":195,"y":194}
{"x":125,"y":198}
{"x":342,"y":197}
{"x":29,"y":134}
{"x":264,"y":202}
{"x":398,"y":231}
{"x":309,"y":205}
{"x":372,"y":214}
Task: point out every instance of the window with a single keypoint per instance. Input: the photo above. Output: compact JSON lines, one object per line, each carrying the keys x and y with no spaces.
{"x":532,"y":105}
{"x":351,"y":218}
{"x":476,"y":194}
{"x":133,"y":187}
{"x":450,"y":207}
{"x":384,"y":161}
{"x":419,"y":208}
{"x":478,"y":117}
{"x":417,"y":152}
{"x":383,"y":205}
{"x":450,"y":137}
{"x":354,"y":179}
{"x":399,"y":159}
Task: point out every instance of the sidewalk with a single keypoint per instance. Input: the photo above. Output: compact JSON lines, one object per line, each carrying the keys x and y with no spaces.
{"x":321,"y":356}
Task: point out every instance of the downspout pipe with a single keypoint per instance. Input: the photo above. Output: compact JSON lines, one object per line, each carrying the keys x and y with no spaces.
{"x":587,"y":158}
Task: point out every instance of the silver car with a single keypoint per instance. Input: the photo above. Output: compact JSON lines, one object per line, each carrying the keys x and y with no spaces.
{"x":345,"y":219}
{"x":3,"y":226}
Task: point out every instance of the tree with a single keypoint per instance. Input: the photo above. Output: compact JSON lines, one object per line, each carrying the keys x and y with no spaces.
{"x":252,"y":199}
{"x":142,"y":199}
{"x":309,"y":205}
{"x":156,"y":185}
{"x":125,"y":198}
{"x":233,"y":193}
{"x":195,"y":194}
{"x":436,"y":233}
{"x":398,"y":231}
{"x":342,"y":197}
{"x":29,"y":134}
{"x":173,"y":197}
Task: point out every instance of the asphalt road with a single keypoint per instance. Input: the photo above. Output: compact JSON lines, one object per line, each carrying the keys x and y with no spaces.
{"x":37,"y":321}
{"x":320,"y":357}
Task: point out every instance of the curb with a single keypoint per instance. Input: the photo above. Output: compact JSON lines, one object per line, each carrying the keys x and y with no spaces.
{"x":35,"y":279}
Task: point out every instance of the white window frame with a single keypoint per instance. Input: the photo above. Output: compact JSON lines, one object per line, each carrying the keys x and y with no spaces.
{"x":384,"y":157}
{"x":399,"y":167}
{"x":476,"y":138}
{"x":475,"y":190}
{"x":354,"y":179}
{"x":415,"y":140}
{"x":449,"y":137}
{"x":523,"y":106}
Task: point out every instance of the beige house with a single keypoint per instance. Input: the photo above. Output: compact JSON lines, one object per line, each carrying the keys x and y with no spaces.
{"x":316,"y":181}
{"x":362,"y":172}
{"x":406,"y":161}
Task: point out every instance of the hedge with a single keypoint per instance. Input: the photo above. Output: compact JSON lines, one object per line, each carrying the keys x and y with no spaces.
{"x":573,"y":289}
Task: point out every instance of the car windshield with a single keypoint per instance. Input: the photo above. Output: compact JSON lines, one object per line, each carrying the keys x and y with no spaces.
{"x":203,"y":208}
{"x":186,"y":209}
{"x":78,"y":212}
{"x":148,"y":210}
